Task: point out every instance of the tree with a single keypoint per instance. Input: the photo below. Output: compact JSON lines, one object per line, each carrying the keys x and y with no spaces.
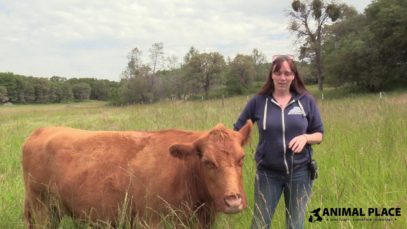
{"x":137,"y":88}
{"x":259,"y":60}
{"x":3,"y":94}
{"x":172,"y":84}
{"x":28,"y":93}
{"x":387,"y":27}
{"x":204,"y":71}
{"x":369,"y":50}
{"x":172,"y":62}
{"x":81,"y":91}
{"x":136,"y":85}
{"x":304,"y":69}
{"x":100,"y":90}
{"x":191,"y":53}
{"x":55,"y":92}
{"x":41,"y":90}
{"x":10,"y":82}
{"x":307,"y":21}
{"x":344,"y":48}
{"x":240,"y":75}
{"x":57,"y":79}
{"x":156,"y":55}
{"x":67,"y":93}
{"x":134,"y":63}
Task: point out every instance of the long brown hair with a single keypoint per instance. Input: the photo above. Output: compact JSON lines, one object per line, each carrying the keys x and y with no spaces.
{"x":297,"y":85}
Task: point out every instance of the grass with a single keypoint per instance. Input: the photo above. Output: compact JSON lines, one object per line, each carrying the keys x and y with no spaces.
{"x":362,"y":161}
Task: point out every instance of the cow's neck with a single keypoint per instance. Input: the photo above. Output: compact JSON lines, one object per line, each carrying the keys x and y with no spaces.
{"x":198,"y":190}
{"x":202,"y":204}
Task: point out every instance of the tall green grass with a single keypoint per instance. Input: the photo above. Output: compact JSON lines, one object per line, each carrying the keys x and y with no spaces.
{"x":362,"y":160}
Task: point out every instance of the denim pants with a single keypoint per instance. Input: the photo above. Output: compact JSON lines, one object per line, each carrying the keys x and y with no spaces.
{"x":270,"y":185}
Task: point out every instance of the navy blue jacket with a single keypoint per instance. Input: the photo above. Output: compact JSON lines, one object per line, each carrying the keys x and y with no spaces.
{"x":278,"y":127}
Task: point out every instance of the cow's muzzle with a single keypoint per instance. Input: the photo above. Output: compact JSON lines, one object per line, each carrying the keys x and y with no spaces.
{"x":233,"y":203}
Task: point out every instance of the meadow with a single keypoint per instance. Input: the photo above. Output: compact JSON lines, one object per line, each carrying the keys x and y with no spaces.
{"x":362,"y":160}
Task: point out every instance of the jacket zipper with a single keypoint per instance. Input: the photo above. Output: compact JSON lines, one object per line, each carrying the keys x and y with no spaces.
{"x":283,"y":130}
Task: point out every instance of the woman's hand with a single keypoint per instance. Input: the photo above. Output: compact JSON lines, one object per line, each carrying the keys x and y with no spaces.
{"x":297,"y":143}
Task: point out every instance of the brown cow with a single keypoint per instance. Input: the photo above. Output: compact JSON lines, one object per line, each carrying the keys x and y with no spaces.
{"x":98,"y":175}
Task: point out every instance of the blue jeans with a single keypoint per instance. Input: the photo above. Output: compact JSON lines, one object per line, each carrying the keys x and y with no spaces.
{"x":268,"y":188}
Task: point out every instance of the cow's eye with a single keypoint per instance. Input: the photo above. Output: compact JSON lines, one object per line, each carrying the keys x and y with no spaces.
{"x":210,"y":165}
{"x":199,"y":152}
{"x":240,"y":161}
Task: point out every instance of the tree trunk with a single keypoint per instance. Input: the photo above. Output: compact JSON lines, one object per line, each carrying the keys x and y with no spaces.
{"x":318,"y":63}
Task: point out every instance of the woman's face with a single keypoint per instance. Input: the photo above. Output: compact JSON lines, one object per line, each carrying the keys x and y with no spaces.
{"x":283,"y":77}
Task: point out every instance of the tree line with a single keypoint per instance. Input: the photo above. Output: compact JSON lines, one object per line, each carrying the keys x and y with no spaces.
{"x":201,"y":75}
{"x":27,"y":89}
{"x":337,"y":46}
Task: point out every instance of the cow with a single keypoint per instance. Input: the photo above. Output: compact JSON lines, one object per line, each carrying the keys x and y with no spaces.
{"x":95,"y":176}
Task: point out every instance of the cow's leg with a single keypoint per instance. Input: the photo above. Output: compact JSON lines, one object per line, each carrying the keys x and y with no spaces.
{"x":41,"y":211}
{"x":54,"y":209}
{"x":28,"y":218}
{"x":54,"y":216}
{"x":34,"y":213}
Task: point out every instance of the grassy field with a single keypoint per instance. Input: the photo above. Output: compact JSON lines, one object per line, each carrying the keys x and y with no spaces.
{"x":362,"y":161}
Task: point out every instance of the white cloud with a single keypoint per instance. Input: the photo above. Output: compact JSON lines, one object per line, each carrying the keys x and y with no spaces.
{"x":75,"y":38}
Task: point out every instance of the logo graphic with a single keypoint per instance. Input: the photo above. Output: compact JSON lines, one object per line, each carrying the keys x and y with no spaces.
{"x":315,"y":217}
{"x":295,"y":111}
{"x":355,"y":214}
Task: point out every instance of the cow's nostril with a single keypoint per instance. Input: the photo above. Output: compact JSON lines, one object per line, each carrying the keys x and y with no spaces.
{"x":234,"y":200}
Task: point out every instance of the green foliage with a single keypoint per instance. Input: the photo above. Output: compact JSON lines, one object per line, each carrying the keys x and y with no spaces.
{"x":317,"y":8}
{"x":368,"y":50}
{"x":172,"y":84}
{"x":333,"y":11}
{"x":306,"y":72}
{"x":100,"y":90}
{"x":260,"y":64}
{"x":192,"y":52}
{"x":156,"y":55}
{"x":12,"y":83}
{"x":27,"y":94}
{"x":66,"y":92}
{"x":202,"y":75}
{"x":204,"y":70}
{"x":81,"y":91}
{"x":24,"y":89}
{"x":296,"y":5}
{"x":387,"y":25}
{"x":133,"y":90}
{"x":41,"y":90}
{"x":240,"y":76}
{"x":3,"y":94}
{"x":140,"y":84}
{"x":311,"y":38}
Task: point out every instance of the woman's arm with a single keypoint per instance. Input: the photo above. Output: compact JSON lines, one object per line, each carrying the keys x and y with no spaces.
{"x":297,"y":143}
{"x":247,"y":113}
{"x":314,"y":138}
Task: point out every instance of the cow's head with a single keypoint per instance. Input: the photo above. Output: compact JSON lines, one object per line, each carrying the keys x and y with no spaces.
{"x":220,"y":155}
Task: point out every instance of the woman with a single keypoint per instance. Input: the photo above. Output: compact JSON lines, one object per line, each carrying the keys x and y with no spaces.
{"x":289,"y":123}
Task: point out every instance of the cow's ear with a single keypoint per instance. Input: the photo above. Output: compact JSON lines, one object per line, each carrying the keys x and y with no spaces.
{"x":183,"y":150}
{"x":245,"y":132}
{"x":219,"y":126}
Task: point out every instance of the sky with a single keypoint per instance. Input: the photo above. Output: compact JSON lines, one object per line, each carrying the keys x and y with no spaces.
{"x":92,"y":38}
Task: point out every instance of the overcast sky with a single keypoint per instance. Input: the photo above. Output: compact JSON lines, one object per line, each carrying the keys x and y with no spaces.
{"x":76,"y":38}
